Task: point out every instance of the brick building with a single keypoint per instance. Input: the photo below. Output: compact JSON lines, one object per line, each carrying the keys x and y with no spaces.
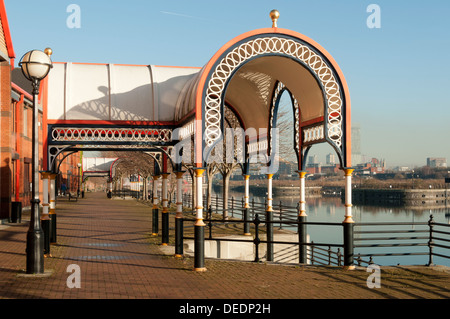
{"x":16,"y":116}
{"x":8,"y":156}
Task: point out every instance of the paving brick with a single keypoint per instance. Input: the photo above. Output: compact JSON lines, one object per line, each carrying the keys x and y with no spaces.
{"x":111,"y":242}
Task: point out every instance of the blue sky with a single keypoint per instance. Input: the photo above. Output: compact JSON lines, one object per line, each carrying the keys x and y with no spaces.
{"x":398,"y":75}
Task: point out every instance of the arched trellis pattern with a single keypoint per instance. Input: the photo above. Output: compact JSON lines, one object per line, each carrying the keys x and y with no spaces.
{"x":280,"y":88}
{"x":302,"y":52}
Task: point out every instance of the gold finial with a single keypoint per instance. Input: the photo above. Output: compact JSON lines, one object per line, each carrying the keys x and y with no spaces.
{"x":274,"y":15}
{"x":48,"y":51}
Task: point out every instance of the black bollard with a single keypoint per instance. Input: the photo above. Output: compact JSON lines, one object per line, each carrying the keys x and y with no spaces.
{"x":348,"y":245}
{"x":178,"y":236}
{"x":155,"y":214}
{"x":199,"y":245}
{"x":302,"y":238}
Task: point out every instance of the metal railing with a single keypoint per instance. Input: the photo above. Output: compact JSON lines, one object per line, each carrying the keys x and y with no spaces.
{"x":235,"y":208}
{"x":430,"y":235}
{"x":126,"y":193}
{"x":421,"y":234}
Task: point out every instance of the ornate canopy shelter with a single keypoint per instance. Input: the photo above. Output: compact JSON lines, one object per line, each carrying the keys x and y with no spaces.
{"x":156,"y":108}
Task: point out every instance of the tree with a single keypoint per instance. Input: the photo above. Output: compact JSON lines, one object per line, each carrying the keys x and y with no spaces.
{"x":132,"y":163}
{"x":229,"y":161}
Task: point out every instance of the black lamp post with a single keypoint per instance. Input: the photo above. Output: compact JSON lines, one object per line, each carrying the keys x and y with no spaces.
{"x":35,"y":66}
{"x":79,"y":179}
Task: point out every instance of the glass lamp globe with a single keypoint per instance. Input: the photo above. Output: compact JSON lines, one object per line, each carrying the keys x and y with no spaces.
{"x":35,"y":65}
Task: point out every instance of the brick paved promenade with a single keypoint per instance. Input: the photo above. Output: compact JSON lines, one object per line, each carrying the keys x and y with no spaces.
{"x":111,"y":242}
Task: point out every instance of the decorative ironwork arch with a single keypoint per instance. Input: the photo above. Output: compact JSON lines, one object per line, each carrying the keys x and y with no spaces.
{"x":284,"y":45}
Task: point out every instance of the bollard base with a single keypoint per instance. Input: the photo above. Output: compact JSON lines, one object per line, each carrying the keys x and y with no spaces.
{"x":46,"y":273}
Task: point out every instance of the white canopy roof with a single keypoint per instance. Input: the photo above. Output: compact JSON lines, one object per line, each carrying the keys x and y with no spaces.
{"x":81,"y":91}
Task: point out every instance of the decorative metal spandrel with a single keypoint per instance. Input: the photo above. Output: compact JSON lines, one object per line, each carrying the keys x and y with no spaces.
{"x":313,"y":134}
{"x":79,"y":135}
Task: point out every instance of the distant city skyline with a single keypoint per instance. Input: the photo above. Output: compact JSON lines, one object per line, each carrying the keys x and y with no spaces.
{"x":397,"y":71}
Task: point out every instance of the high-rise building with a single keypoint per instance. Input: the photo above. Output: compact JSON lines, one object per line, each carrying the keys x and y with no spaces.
{"x":313,"y":160}
{"x":356,"y":144}
{"x":436,"y":162}
{"x":330,"y":159}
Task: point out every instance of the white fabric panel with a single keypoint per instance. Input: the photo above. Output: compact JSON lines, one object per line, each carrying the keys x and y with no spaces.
{"x":80,"y":91}
{"x":87,"y":96}
{"x":93,"y":164}
{"x":131,"y":93}
{"x":168,"y":83}
{"x":56,"y":87}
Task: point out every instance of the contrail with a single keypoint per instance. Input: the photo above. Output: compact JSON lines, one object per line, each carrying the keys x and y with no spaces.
{"x":182,"y":15}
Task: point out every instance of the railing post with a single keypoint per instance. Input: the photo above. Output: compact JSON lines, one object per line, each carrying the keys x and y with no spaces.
{"x":329,"y":255}
{"x":281,"y":215}
{"x":217,"y":203}
{"x":256,"y":240}
{"x":210,"y":222}
{"x":232,"y":206}
{"x":430,"y":241}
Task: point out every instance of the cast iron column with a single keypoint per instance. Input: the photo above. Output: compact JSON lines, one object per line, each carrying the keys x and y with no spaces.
{"x":45,"y":219}
{"x":52,"y":212}
{"x":246,"y":206}
{"x":199,"y":225}
{"x":302,"y":233}
{"x":348,"y":222}
{"x":269,"y":214}
{"x":179,"y":216}
{"x":165,"y":210}
{"x":155,"y":210}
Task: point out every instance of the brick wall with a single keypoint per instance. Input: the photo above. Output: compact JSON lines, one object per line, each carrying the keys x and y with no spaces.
{"x":6,"y":149}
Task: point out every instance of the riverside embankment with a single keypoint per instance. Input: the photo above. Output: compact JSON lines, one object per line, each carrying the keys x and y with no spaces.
{"x":404,"y":197}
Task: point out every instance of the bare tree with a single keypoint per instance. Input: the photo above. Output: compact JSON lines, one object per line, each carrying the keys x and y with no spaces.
{"x":285,"y":125}
{"x":132,"y":163}
{"x":229,"y":163}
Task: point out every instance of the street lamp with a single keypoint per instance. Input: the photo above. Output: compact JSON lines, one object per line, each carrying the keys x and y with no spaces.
{"x":35,"y":66}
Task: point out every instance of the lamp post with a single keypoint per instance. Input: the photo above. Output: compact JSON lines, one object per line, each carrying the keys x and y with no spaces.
{"x":35,"y":66}
{"x":79,"y":179}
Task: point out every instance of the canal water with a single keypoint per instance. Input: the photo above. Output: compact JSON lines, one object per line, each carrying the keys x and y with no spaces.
{"x":331,"y":209}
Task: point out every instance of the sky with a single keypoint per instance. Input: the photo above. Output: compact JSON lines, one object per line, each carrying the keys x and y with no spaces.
{"x":398,"y":73}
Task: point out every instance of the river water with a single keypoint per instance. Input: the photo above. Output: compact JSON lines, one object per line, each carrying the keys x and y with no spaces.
{"x":331,"y":209}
